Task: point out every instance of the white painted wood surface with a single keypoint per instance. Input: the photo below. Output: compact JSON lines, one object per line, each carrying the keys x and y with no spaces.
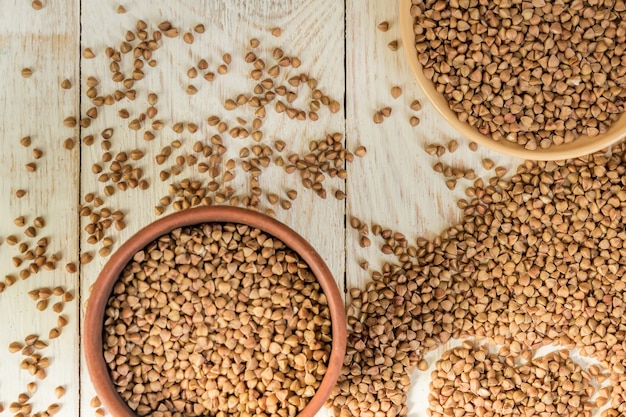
{"x":311,"y":31}
{"x":394,"y":185}
{"x":45,"y":41}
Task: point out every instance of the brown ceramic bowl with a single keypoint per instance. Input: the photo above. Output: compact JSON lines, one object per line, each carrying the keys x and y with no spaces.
{"x":582,"y":146}
{"x":94,"y":319}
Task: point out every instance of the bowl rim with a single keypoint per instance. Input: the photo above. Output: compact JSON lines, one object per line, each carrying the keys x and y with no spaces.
{"x":583,"y":145}
{"x":94,"y":316}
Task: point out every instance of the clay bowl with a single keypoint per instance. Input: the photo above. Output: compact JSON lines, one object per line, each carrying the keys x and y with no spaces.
{"x":94,"y":319}
{"x":582,"y":146}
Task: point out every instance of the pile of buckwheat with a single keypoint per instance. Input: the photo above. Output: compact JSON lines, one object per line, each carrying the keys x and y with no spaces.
{"x":538,"y":259}
{"x":218,"y":319}
{"x":470,"y":381}
{"x":538,"y":73}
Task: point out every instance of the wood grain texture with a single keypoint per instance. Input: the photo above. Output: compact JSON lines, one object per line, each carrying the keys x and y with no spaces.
{"x":395,"y":185}
{"x":45,"y":41}
{"x":311,"y":31}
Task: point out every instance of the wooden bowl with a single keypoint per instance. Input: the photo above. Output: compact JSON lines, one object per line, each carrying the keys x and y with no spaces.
{"x":94,"y":318}
{"x":583,"y":145}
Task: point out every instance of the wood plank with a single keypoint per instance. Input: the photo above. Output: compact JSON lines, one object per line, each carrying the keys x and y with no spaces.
{"x":395,"y":185}
{"x":46,"y":41}
{"x":311,"y":30}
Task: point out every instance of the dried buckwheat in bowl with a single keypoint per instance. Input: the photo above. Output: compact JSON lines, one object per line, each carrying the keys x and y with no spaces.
{"x":215,"y":310}
{"x":535,"y":79}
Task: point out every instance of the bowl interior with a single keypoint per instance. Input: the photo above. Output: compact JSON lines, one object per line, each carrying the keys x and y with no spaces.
{"x":94,"y":318}
{"x":581,"y":146}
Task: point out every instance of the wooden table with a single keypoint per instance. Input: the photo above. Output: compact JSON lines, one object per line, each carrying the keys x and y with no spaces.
{"x":338,"y":44}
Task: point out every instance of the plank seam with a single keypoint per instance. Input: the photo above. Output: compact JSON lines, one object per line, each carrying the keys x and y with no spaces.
{"x":80,"y":183}
{"x":345,"y":138}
